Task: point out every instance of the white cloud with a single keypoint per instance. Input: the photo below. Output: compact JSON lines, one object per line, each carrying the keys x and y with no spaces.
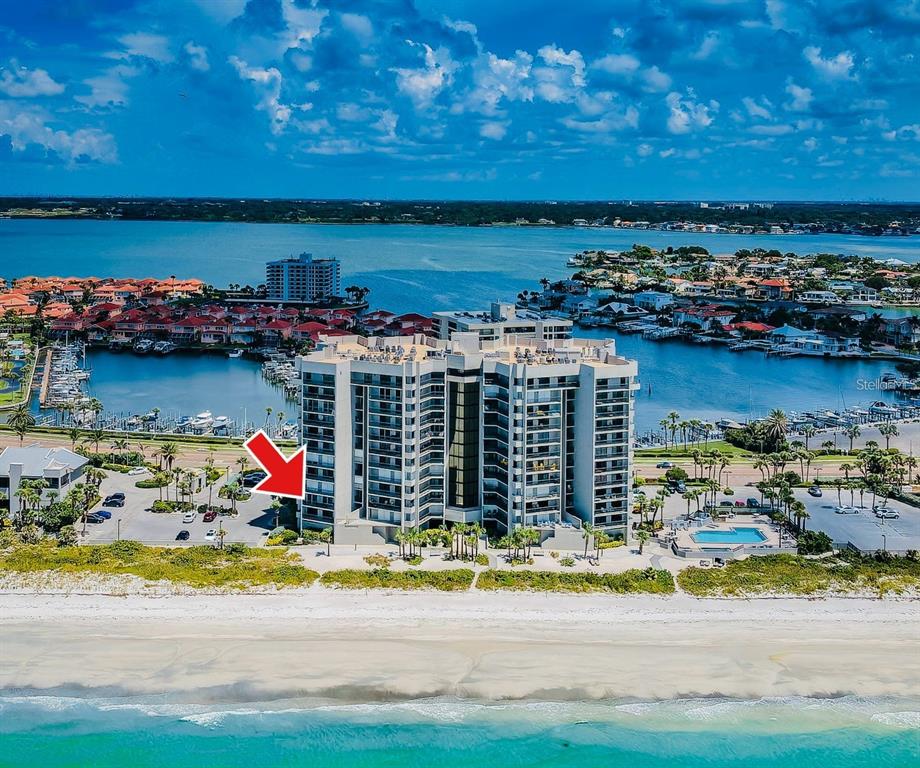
{"x":835,"y":68}
{"x":19,"y":82}
{"x":687,"y":115}
{"x":617,"y":64}
{"x":267,"y":83}
{"x":29,"y":126}
{"x":422,"y":85}
{"x":562,"y":76}
{"x":758,"y":109}
{"x":801,"y":98}
{"x":493,"y":130}
{"x":360,"y":26}
{"x":144,"y":44}
{"x":708,"y":46}
{"x":197,"y":56}
{"x":108,"y":89}
{"x":495,"y":79}
{"x":610,"y":123}
{"x":644,"y":150}
{"x":655,"y":80}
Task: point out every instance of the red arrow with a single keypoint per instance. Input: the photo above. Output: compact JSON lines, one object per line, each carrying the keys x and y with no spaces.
{"x":285,"y":476}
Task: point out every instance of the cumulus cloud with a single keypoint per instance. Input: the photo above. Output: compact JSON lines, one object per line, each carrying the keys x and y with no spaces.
{"x":20,"y":82}
{"x":836,"y":67}
{"x":108,"y":90}
{"x":196,"y":56}
{"x":562,"y":75}
{"x":32,"y":136}
{"x":146,"y":45}
{"x":423,"y":84}
{"x":267,"y":83}
{"x":801,"y":98}
{"x":686,"y":114}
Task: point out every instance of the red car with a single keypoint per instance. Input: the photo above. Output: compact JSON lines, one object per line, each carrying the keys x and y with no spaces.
{"x":210,"y":516}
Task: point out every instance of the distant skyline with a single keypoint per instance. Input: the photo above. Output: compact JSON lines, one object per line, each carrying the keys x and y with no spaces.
{"x":462,"y":99}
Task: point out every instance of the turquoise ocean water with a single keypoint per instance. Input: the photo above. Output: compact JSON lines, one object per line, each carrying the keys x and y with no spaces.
{"x":845,"y":732}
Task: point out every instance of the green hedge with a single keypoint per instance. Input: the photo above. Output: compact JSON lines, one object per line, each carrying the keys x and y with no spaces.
{"x":648,"y":581}
{"x":453,"y":580}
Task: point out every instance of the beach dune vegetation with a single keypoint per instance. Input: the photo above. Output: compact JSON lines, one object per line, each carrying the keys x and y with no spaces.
{"x":453,"y":580}
{"x":634,"y":581}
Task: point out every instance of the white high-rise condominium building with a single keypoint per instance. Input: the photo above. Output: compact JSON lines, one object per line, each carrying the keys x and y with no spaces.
{"x":415,"y":432}
{"x":303,"y":279}
{"x":502,"y":320}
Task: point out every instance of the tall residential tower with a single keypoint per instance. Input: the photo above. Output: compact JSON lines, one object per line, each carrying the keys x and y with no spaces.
{"x":303,"y":279}
{"x":515,"y":431}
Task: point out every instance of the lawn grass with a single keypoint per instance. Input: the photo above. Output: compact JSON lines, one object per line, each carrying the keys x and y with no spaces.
{"x":679,"y":452}
{"x":633,"y":581}
{"x":794,"y":575}
{"x":203,"y":566}
{"x":454,"y":580}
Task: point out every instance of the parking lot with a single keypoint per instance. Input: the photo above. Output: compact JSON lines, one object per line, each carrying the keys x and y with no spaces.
{"x":863,"y":530}
{"x":136,"y":521}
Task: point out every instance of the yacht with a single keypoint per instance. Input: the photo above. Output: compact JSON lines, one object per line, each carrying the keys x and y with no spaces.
{"x":143,"y":346}
{"x":164,"y":347}
{"x":202,"y":421}
{"x":235,"y":353}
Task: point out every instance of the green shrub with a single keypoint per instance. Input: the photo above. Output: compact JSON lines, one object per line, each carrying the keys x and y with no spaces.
{"x":648,"y":581}
{"x":414,"y":560}
{"x":377,"y":561}
{"x":199,"y":566}
{"x":814,"y":543}
{"x":382,"y":578}
{"x":568,"y":561}
{"x":482,"y":559}
{"x":284,"y":537}
{"x":151,"y":482}
{"x":794,"y":575}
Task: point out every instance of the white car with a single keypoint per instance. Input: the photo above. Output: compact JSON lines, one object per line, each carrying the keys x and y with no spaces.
{"x":845,"y":509}
{"x":886,"y":513}
{"x":211,"y":535}
{"x":188,"y":517}
{"x":137,"y":471}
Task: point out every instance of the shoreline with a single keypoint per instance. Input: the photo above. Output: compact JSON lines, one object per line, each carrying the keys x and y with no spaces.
{"x":379,"y":646}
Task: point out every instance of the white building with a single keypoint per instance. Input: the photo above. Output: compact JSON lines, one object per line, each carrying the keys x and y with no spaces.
{"x":502,"y":319}
{"x":653,"y":300}
{"x":303,"y":279}
{"x":58,"y":467}
{"x":414,"y":432}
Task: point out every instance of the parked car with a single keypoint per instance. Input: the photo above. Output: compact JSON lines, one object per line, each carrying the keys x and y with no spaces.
{"x":664,"y":465}
{"x":814,"y":491}
{"x":726,"y":503}
{"x":705,"y":563}
{"x":137,"y":471}
{"x":113,"y":503}
{"x":739,"y":503}
{"x":718,"y":562}
{"x":103,"y":513}
{"x":95,"y":518}
{"x":251,"y":479}
{"x":116,"y":495}
{"x":210,"y":516}
{"x":846,"y":509}
{"x":211,"y":535}
{"x":680,"y":486}
{"x":183,"y":535}
{"x":753,"y":503}
{"x":188,"y":517}
{"x":886,"y":513}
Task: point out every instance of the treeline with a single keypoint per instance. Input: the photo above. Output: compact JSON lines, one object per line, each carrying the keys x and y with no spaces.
{"x":825,"y":217}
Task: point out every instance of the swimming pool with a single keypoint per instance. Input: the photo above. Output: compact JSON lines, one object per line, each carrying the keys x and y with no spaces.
{"x":729,"y":536}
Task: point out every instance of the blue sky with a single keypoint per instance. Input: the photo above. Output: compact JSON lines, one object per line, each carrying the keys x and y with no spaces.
{"x":645,"y":99}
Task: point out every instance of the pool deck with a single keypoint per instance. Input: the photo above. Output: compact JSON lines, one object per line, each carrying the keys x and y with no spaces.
{"x":683,"y":544}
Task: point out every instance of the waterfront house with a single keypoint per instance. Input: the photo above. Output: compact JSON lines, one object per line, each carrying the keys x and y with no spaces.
{"x":818,"y":297}
{"x":838,"y":313}
{"x":748,"y":328}
{"x":774,"y":289}
{"x":707,"y":318}
{"x":805,"y":342}
{"x":58,"y":467}
{"x":308,"y":331}
{"x":653,"y":300}
{"x":902,"y":331}
{"x":215,"y":331}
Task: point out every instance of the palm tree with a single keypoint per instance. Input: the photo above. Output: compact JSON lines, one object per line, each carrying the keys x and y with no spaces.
{"x":275,"y":507}
{"x":808,"y":431}
{"x":234,"y":492}
{"x":852,"y":431}
{"x":21,"y":421}
{"x":74,"y":434}
{"x":888,"y":431}
{"x":642,"y":536}
{"x":167,"y":455}
{"x":777,"y":425}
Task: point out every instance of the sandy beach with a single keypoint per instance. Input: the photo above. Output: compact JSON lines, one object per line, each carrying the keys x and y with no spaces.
{"x":373,"y":646}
